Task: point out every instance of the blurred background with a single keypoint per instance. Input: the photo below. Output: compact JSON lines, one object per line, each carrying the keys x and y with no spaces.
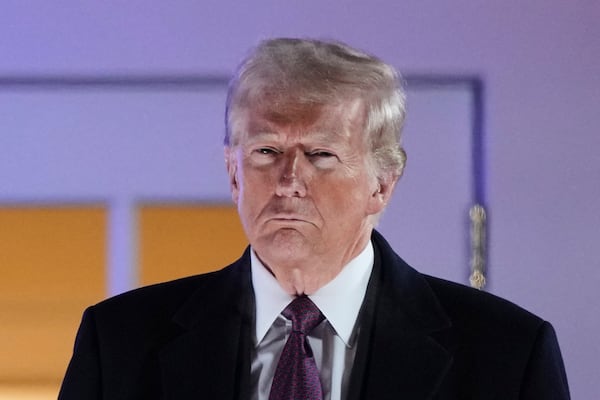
{"x":111,"y":163}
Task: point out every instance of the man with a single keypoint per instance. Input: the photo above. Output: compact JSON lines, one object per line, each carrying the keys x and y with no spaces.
{"x":319,"y":305}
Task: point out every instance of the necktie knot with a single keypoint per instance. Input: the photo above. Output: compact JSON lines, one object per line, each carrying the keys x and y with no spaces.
{"x":304,"y":314}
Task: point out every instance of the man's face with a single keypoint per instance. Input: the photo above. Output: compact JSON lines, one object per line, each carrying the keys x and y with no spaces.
{"x":304,"y":188}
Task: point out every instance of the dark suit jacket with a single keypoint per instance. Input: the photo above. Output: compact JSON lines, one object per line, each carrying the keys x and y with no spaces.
{"x":421,"y":338}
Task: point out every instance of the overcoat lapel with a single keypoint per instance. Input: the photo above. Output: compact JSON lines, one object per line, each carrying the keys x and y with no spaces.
{"x":400,"y":357}
{"x":210,"y":359}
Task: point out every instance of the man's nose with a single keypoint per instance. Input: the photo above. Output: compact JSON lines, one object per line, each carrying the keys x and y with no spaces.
{"x":292,"y":180}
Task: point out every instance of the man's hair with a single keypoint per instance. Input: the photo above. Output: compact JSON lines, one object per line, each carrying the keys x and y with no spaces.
{"x":286,"y":76}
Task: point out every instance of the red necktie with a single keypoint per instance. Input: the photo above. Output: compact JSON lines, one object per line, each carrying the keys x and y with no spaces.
{"x":297,"y":376}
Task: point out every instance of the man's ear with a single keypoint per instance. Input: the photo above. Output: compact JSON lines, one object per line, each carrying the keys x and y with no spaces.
{"x":382,"y":193}
{"x":231,"y":165}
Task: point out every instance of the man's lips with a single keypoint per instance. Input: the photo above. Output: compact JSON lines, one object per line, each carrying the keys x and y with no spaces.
{"x":287,"y":218}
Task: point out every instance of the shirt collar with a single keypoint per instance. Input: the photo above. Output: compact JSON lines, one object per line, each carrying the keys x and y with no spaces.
{"x":339,"y":300}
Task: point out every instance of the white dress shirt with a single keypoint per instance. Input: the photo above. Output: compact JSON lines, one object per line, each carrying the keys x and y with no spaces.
{"x":333,"y":342}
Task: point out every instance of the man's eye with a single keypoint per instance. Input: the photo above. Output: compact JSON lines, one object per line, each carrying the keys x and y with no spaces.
{"x":266,"y":151}
{"x":321,"y":154}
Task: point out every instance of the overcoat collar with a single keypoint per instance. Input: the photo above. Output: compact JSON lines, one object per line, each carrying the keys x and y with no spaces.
{"x":397,"y":355}
{"x":211,"y":358}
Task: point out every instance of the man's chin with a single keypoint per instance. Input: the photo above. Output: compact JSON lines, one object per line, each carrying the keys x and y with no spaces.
{"x":284,"y":245}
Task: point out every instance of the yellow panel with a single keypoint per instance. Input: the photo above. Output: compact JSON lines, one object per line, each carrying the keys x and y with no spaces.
{"x":52,"y":266}
{"x":28,"y":392}
{"x":183,"y":240}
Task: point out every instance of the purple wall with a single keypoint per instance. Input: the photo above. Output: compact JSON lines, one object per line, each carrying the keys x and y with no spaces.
{"x":539,"y":61}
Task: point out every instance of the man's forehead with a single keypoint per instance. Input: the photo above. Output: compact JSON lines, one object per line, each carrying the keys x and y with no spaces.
{"x":323,"y":123}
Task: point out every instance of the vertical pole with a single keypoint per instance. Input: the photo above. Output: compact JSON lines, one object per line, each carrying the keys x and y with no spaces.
{"x":122,"y":274}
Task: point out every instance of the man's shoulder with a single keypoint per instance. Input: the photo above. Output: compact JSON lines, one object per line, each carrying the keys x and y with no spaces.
{"x":163,"y":292}
{"x":465,"y":306}
{"x":468,"y":307}
{"x":161,"y":301}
